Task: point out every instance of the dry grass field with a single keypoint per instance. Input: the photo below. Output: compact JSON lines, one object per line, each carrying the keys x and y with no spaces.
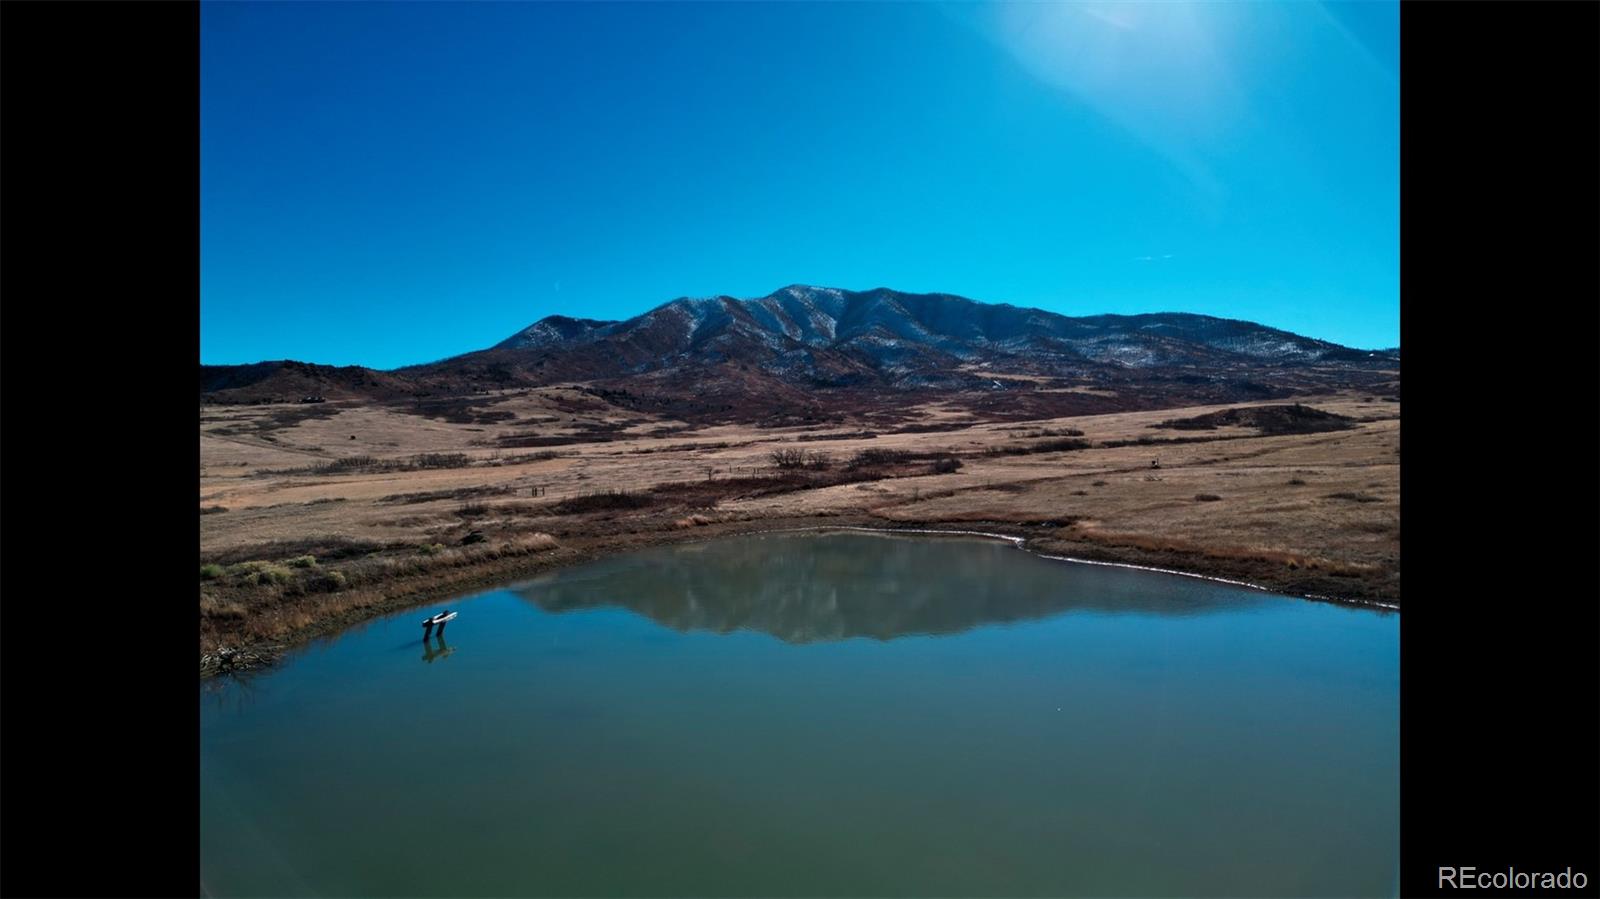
{"x":317,"y":515}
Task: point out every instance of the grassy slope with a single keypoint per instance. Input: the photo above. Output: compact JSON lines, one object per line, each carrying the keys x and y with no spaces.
{"x":1313,"y":513}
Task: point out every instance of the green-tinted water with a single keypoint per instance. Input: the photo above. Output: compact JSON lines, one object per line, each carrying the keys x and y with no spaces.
{"x":806,"y":715}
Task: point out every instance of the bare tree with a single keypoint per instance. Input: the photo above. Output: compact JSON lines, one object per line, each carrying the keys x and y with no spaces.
{"x":788,"y":458}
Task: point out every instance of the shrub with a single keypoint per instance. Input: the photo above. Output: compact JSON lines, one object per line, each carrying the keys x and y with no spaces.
{"x":212,"y":510}
{"x":324,"y":547}
{"x":366,"y":463}
{"x":527,"y":457}
{"x":345,"y":464}
{"x":269,"y":575}
{"x":303,"y":562}
{"x":210,"y":572}
{"x":211,"y":607}
{"x":602,"y":501}
{"x":1048,"y":446}
{"x":871,"y":457}
{"x":946,"y":465}
{"x":1206,"y":497}
{"x":788,"y":458}
{"x":1055,"y":446}
{"x":328,"y":582}
{"x":1098,"y":484}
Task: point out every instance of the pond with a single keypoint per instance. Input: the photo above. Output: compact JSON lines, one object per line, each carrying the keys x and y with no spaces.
{"x":819,"y":714}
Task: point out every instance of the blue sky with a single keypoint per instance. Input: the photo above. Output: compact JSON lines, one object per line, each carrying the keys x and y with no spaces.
{"x":386,"y":184}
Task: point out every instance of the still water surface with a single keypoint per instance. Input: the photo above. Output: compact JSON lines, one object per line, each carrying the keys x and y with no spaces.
{"x":838,"y":714}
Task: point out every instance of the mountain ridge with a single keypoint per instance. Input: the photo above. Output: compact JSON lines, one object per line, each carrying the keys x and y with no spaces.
{"x":833,"y":305}
{"x":799,"y":345}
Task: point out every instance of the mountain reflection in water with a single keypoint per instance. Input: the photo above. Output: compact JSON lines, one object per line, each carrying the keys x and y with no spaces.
{"x":834,"y":586}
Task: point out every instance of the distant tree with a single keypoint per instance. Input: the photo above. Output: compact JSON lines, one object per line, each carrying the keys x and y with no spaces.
{"x":788,"y":458}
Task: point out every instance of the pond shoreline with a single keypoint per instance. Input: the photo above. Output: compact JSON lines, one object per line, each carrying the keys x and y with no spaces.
{"x":1022,"y":544}
{"x":402,"y":593}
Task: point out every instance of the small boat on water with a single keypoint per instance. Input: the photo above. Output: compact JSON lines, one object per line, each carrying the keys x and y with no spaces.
{"x":440,"y":619}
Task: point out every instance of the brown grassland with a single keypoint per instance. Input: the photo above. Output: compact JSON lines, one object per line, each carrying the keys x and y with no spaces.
{"x":315,"y":517}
